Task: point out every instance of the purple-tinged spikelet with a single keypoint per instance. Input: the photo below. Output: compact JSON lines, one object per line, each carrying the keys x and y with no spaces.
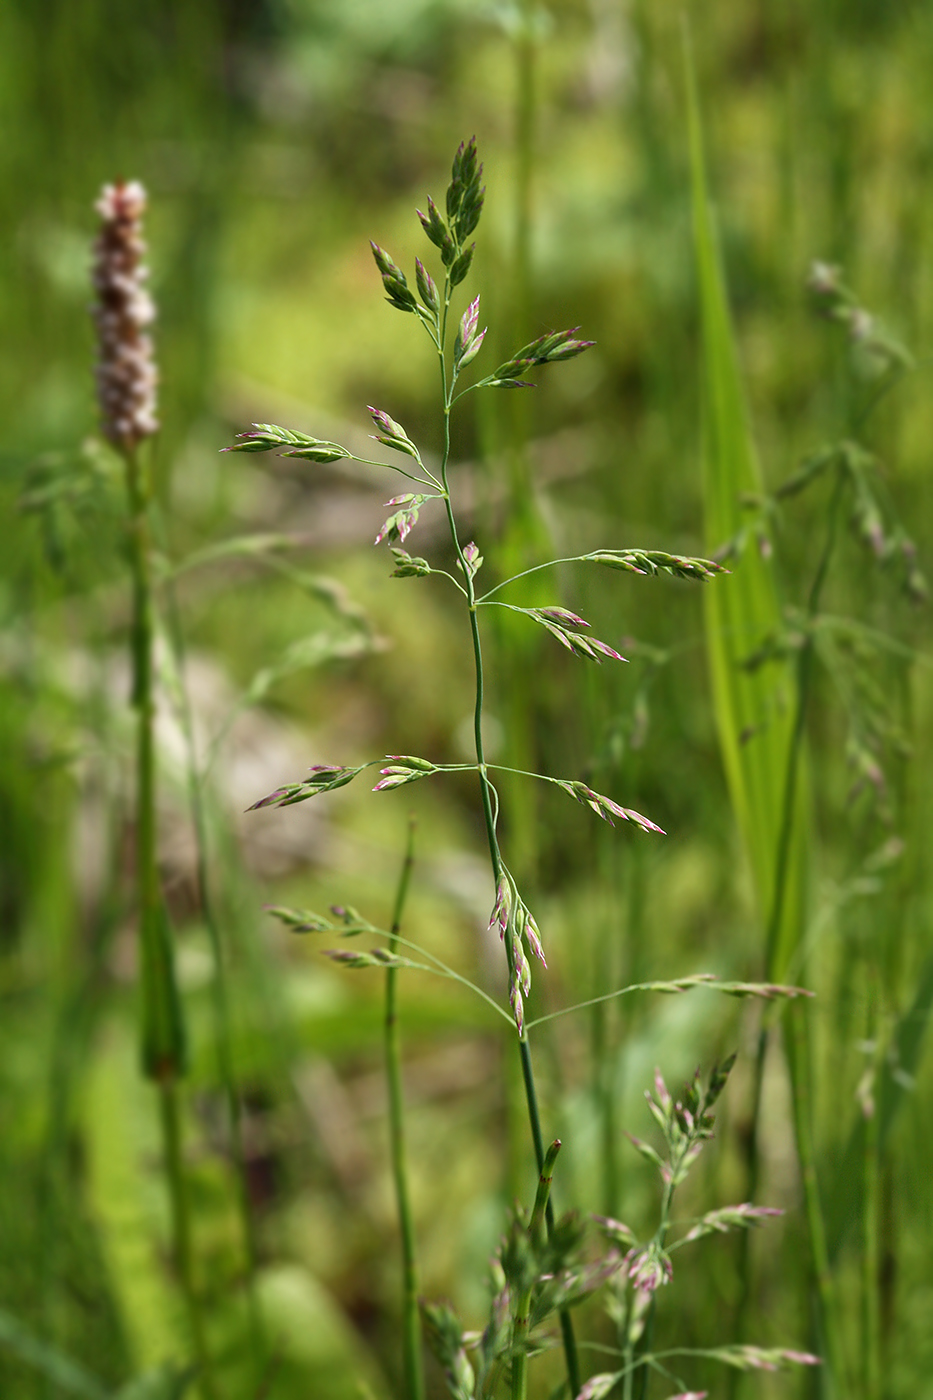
{"x":533,"y":935}
{"x":126,"y":372}
{"x":502,"y":908}
{"x":648,"y":1268}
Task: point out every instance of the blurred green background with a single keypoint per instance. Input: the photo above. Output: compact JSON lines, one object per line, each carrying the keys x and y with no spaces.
{"x":275,"y":138}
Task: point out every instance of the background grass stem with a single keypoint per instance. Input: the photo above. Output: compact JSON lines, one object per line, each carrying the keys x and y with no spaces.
{"x":413,"y":1367}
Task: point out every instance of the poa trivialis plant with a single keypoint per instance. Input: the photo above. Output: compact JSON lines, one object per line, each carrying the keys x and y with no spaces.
{"x":539,"y":1265}
{"x":430,"y":304}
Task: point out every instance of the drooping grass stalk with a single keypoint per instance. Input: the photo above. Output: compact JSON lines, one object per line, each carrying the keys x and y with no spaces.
{"x":411,"y":1316}
{"x":220,"y":996}
{"x":797,"y":1049}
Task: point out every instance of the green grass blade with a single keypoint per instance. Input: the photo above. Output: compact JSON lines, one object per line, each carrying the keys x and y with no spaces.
{"x":127,"y":1201}
{"x":896,"y":1079}
{"x":754,"y":709}
{"x":759,"y":714}
{"x":167,"y":1383}
{"x":59,"y":1368}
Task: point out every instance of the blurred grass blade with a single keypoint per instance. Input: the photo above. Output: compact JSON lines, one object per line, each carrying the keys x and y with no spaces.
{"x":59,"y":1368}
{"x":167,"y":1383}
{"x":753,"y":708}
{"x":164,"y":1043}
{"x":896,"y":1083}
{"x":127,"y":1201}
{"x":759,"y":716}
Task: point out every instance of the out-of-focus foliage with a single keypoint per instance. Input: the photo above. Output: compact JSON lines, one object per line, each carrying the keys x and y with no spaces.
{"x":275,"y":138}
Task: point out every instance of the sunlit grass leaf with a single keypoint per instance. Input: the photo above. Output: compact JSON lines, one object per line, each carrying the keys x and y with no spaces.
{"x":319,"y":1350}
{"x":303,"y":655}
{"x":128,"y":1201}
{"x":896,"y":1084}
{"x":166,"y":1383}
{"x":237,"y":547}
{"x":754,"y":710}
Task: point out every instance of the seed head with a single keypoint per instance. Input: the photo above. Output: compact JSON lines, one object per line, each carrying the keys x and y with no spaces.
{"x":126,"y":372}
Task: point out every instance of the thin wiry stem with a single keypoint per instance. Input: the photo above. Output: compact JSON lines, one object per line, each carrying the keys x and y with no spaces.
{"x":871,"y":1273}
{"x":536,"y":569}
{"x":797,"y":1050}
{"x":487,"y":795}
{"x":702,"y":979}
{"x":523,"y":1302}
{"x":411,"y":1317}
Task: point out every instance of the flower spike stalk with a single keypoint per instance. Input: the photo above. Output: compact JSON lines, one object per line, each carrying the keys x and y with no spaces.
{"x":126,"y":386}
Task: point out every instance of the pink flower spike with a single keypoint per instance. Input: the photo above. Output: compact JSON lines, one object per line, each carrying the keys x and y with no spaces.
{"x":400,"y":500}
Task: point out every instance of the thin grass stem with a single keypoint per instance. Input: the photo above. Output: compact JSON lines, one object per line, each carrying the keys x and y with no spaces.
{"x":411,"y":1317}
{"x":701,"y":979}
{"x":440,"y":968}
{"x":816,"y":1224}
{"x":801,"y":1077}
{"x":487,"y":796}
{"x":523,"y":1302}
{"x":513,"y":578}
{"x":871,"y":1272}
